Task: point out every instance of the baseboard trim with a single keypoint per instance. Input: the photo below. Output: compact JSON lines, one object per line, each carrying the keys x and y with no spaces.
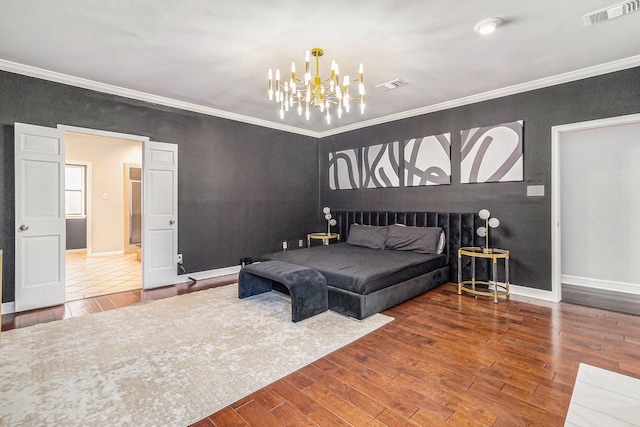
{"x":604,"y":285}
{"x":525,"y":291}
{"x":606,"y":299}
{"x":106,"y":253}
{"x":208,"y":274}
{"x":8,"y":307}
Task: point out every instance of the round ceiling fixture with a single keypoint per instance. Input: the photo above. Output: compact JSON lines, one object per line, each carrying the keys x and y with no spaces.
{"x":487,"y":26}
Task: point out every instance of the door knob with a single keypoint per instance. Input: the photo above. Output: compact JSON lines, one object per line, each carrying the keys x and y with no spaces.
{"x":172,"y":221}
{"x":24,"y":227}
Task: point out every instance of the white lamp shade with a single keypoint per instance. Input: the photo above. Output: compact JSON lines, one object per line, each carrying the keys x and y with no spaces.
{"x":484,"y":214}
{"x":333,"y":222}
{"x":327,"y":216}
{"x":482,"y":232}
{"x":326,"y":210}
{"x":494,"y":222}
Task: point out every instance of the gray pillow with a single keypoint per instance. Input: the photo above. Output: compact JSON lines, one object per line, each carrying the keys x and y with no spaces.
{"x":368,"y":236}
{"x":423,"y":240}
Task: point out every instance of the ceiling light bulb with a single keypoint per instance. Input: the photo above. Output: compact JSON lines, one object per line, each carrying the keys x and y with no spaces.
{"x":487,"y":26}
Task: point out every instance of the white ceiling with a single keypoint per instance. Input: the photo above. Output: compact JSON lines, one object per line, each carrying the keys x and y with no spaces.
{"x":213,"y":56}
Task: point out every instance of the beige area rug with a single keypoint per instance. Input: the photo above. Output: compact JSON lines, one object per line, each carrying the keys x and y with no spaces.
{"x":170,"y":362}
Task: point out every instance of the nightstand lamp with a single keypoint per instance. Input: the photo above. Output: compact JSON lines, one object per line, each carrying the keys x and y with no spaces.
{"x":330,"y":220}
{"x":325,"y":237}
{"x":484,"y":231}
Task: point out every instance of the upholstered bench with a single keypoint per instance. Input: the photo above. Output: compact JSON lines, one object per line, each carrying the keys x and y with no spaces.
{"x":307,"y":287}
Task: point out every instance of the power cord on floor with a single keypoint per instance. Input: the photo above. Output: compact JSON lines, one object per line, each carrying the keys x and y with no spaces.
{"x":183,"y":271}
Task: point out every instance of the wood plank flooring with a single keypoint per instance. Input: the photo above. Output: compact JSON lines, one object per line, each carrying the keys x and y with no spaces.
{"x":97,"y":304}
{"x":450,"y":360}
{"x":445,"y":360}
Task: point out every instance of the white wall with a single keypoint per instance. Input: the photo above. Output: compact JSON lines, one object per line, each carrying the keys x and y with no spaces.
{"x":107,"y":157}
{"x":600,"y":207}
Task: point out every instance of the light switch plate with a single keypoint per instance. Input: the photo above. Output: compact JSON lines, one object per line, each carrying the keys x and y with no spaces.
{"x":535,"y":190}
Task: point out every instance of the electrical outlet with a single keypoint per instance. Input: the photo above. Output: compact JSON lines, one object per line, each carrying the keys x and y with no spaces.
{"x":300,"y":243}
{"x":179,"y":257}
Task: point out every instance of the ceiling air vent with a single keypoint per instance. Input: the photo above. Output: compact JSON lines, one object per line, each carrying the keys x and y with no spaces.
{"x":611,"y":12}
{"x":393,"y":84}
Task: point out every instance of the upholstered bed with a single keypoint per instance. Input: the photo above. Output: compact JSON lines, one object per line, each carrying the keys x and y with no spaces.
{"x":364,"y":278}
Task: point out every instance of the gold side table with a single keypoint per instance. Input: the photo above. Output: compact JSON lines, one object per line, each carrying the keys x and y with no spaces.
{"x":494,"y":255}
{"x":325,"y":237}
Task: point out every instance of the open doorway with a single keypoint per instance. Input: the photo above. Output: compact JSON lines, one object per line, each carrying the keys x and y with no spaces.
{"x":594,"y":205}
{"x":103,"y":200}
{"x":40,"y":217}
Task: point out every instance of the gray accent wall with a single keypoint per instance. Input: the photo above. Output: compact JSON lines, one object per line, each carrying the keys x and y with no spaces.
{"x":525,"y":227}
{"x":243,"y":189}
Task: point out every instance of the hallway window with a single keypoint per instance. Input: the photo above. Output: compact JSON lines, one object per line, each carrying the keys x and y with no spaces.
{"x":75,"y":190}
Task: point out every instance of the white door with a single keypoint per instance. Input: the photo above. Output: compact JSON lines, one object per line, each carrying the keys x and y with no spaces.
{"x":40,"y":217}
{"x":160,"y":213}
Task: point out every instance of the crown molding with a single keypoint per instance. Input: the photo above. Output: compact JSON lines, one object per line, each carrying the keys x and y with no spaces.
{"x":571,"y":76}
{"x":53,"y":76}
{"x":593,"y":71}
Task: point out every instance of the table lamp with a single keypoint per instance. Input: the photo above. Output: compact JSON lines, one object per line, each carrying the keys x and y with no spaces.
{"x":484,"y":231}
{"x":330,"y":220}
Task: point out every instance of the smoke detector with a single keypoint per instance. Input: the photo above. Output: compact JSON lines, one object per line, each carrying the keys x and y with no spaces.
{"x":611,"y":12}
{"x":390,"y":85}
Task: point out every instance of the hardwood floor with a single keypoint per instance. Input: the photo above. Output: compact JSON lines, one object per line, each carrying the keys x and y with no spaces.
{"x":445,"y":360}
{"x":97,"y":304}
{"x":450,"y":360}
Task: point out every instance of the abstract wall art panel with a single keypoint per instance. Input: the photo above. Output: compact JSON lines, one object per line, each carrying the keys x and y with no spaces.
{"x":344,"y":173}
{"x":381,"y":165}
{"x":492,"y":153}
{"x":427,"y":160}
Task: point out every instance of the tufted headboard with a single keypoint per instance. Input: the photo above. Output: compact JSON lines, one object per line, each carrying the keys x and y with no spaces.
{"x":459,"y":228}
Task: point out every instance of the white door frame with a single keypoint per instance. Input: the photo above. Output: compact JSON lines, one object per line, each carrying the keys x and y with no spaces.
{"x":106,"y":134}
{"x":557,"y":133}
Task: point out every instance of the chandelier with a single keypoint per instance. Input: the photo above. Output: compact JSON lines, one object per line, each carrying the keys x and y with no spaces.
{"x":313,"y":91}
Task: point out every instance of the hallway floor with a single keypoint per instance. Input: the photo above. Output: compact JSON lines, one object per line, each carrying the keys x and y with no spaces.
{"x":90,"y":276}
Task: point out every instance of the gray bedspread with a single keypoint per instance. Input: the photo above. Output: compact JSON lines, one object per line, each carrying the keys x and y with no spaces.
{"x":361,"y":270}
